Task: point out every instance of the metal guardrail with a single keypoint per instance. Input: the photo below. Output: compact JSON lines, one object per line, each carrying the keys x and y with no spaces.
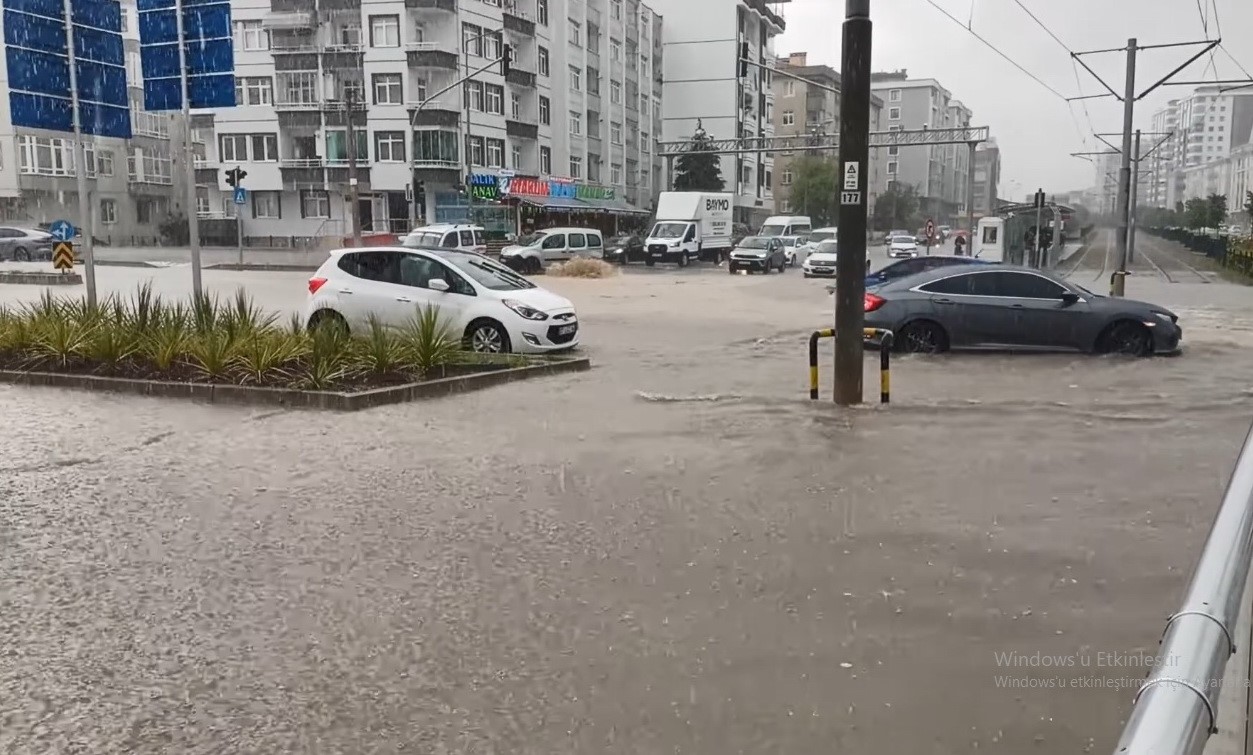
{"x":886,"y":341}
{"x":1176,"y":710}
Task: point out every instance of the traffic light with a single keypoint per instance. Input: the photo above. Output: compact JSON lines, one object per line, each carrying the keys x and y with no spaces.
{"x":506,"y":57}
{"x":235,"y":177}
{"x":743,"y":60}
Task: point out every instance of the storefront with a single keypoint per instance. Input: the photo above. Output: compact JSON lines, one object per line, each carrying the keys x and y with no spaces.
{"x":535,"y":203}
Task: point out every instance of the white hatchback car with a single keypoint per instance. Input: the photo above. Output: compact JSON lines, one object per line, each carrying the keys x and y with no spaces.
{"x":494,"y":309}
{"x":902,"y":246}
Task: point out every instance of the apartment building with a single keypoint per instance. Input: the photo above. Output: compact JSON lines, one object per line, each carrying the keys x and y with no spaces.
{"x":987,"y":178}
{"x":1206,"y":127}
{"x":807,"y":107}
{"x":939,"y":173}
{"x":134,"y":184}
{"x":702,"y":41}
{"x":424,"y":147}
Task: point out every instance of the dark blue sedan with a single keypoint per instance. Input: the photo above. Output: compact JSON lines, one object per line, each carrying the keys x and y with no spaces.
{"x":903,"y":268}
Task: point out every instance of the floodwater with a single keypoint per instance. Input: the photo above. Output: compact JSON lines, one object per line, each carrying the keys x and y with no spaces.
{"x":674,"y":553}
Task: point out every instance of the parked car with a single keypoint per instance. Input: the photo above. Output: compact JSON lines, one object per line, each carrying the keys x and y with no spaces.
{"x":465,"y":238}
{"x":764,"y":253}
{"x":492,"y":308}
{"x":974,"y":306}
{"x":534,"y":251}
{"x":902,"y":246}
{"x":24,"y":244}
{"x":795,"y":247}
{"x":821,"y":262}
{"x":915,"y":265}
{"x":626,"y":248}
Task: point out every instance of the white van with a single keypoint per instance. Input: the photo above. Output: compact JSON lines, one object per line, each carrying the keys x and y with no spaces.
{"x":463,"y":238}
{"x":786,"y":225}
{"x":535,"y":250}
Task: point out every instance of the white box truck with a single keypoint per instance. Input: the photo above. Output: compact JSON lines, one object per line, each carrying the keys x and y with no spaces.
{"x":690,"y":224}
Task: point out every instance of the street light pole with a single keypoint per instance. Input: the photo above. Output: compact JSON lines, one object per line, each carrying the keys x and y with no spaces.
{"x":189,"y":158}
{"x":354,"y":195}
{"x":1119,"y":286}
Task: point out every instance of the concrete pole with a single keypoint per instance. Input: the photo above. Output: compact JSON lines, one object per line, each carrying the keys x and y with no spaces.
{"x":1135,"y":191}
{"x":354,"y":196}
{"x":850,"y":266}
{"x":85,"y":203}
{"x":970,"y":198}
{"x":1119,"y":285}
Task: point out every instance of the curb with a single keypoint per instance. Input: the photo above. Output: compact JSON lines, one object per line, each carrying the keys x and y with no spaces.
{"x":291,"y":398}
{"x":263,"y":267}
{"x":19,"y":277}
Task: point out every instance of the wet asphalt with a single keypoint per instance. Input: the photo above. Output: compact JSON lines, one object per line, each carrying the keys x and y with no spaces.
{"x":673,"y":553}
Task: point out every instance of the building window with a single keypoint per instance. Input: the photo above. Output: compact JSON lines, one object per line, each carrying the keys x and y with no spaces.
{"x":233,"y":148}
{"x":545,"y":111}
{"x":576,"y":33}
{"x":894,"y":151}
{"x":389,"y":146}
{"x":545,"y":161}
{"x":785,"y":178}
{"x":894,"y":95}
{"x":789,"y":88}
{"x":576,"y":123}
{"x":387,"y":89}
{"x":265,"y":148}
{"x":494,"y":99}
{"x":576,"y":167}
{"x":254,"y":90}
{"x":108,"y":211}
{"x":541,"y":10}
{"x":576,"y":79}
{"x":615,"y":50}
{"x":645,"y":144}
{"x":593,"y":81}
{"x":789,"y":118}
{"x":267,"y":204}
{"x":892,"y":168}
{"x":493,"y":45}
{"x":315,"y":203}
{"x":104,"y":162}
{"x":615,"y":91}
{"x":337,"y":146}
{"x":894,"y":114}
{"x":385,"y":31}
{"x":615,"y":9}
{"x":615,"y":133}
{"x":474,"y":145}
{"x":515,"y":105}
{"x":496,"y":153}
{"x":515,"y":157}
{"x":542,"y":58}
{"x":474,"y":95}
{"x":251,"y":36}
{"x":615,"y":173}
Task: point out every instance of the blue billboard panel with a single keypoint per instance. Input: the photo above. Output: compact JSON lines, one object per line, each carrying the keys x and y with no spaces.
{"x":207,"y":49}
{"x":36,"y":51}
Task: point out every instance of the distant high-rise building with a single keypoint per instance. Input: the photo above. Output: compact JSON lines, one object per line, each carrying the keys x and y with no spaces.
{"x":987,"y":178}
{"x":1202,"y":131}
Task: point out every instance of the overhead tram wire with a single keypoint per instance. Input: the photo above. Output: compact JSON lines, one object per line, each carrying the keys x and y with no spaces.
{"x":1074,"y":68}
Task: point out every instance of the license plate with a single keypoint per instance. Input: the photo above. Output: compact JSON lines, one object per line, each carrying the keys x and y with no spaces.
{"x":566,"y":330}
{"x":658,"y":254}
{"x":822,"y":269}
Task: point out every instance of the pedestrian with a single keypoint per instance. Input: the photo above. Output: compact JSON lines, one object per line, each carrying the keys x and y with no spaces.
{"x":958,"y":244}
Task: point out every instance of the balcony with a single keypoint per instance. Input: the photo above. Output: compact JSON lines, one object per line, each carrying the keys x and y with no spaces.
{"x":449,"y":6}
{"x":521,"y":129}
{"x":517,"y":21}
{"x":342,"y":56}
{"x":300,"y":170}
{"x":292,"y":6}
{"x":428,"y":55}
{"x":294,"y":19}
{"x":337,"y":172}
{"x":521,"y":78}
{"x":445,"y":113}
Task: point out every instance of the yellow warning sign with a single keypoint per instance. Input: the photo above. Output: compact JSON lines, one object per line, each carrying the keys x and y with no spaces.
{"x":63,"y":255}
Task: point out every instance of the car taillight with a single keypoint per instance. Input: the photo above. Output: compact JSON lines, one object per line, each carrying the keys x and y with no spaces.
{"x":316,"y":283}
{"x":874,"y":302}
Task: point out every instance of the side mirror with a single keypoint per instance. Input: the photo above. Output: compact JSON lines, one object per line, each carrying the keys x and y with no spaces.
{"x":438,"y":284}
{"x":1070,"y":297}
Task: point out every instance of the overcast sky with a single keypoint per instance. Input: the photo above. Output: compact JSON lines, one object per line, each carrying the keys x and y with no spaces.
{"x":1034,"y":128}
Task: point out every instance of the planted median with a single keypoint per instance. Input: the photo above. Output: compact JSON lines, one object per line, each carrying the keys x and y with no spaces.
{"x":231,"y":350}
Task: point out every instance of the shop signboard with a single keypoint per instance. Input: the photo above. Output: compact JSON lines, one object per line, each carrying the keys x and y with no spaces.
{"x":488,"y":186}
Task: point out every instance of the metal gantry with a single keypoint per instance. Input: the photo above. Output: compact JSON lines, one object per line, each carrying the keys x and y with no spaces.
{"x":806,"y":142}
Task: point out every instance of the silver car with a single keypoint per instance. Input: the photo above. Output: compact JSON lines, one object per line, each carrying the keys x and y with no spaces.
{"x":24,"y":244}
{"x":980,"y":306}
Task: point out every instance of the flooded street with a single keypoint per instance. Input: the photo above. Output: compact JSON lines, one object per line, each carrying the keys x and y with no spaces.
{"x":676,"y":552}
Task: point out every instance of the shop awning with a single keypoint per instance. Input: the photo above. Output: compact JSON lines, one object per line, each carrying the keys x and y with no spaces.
{"x":553,"y":203}
{"x":618,"y":206}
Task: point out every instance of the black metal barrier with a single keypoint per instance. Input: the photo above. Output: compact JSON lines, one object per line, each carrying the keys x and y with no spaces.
{"x":886,"y":342}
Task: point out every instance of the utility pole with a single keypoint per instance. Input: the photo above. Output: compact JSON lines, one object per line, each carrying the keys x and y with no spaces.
{"x":469,"y":177}
{"x":86,"y":205}
{"x":354,"y":196}
{"x":189,"y":158}
{"x":1119,"y":286}
{"x":970,"y":199}
{"x":1135,"y":190}
{"x":850,"y":266}
{"x":1039,"y":232}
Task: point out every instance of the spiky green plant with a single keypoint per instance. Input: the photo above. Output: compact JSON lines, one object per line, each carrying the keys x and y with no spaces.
{"x":329,"y":360}
{"x":428,"y":340}
{"x":206,"y":311}
{"x":380,"y":351}
{"x":242,"y":316}
{"x":263,"y":357}
{"x":111,"y":344}
{"x":59,"y":339}
{"x":165,"y":344}
{"x":212,"y":355}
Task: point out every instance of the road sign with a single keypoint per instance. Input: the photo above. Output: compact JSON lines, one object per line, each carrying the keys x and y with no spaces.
{"x":63,"y":255}
{"x":37,"y":51}
{"x":62,"y":230}
{"x":207,"y":53}
{"x":241,"y":195}
{"x":852,"y":175}
{"x":930,"y":229}
{"x":850,"y":197}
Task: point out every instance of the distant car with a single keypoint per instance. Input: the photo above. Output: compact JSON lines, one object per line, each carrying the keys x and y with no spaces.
{"x":794,"y":247}
{"x":24,"y":244}
{"x":764,"y":253}
{"x":821,"y":262}
{"x":944,"y":232}
{"x":975,"y":306}
{"x":904,"y":268}
{"x":887,"y":240}
{"x":903,"y":245}
{"x":626,"y":248}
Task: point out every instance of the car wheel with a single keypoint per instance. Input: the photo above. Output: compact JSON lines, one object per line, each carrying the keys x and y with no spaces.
{"x":922,"y":337}
{"x":683,"y":259}
{"x":328,"y":319}
{"x":1126,"y":337}
{"x":732,"y":269}
{"x":783,"y":265}
{"x":807,"y":275}
{"x":533,"y":266}
{"x":487,"y":337}
{"x":21,"y":254}
{"x":650,"y":262}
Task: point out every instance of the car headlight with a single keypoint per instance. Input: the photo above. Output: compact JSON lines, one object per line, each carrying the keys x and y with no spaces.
{"x":1165,"y":317}
{"x":522,"y":310}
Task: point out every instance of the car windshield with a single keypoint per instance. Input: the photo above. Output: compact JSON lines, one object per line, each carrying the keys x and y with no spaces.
{"x":821,"y":235}
{"x":668,"y":230}
{"x":487,"y":273}
{"x":618,"y":241}
{"x":772,"y":230}
{"x":417,"y":240}
{"x":531,"y":239}
{"x":789,"y":242}
{"x":754,"y":242}
{"x":902,"y":239}
{"x":827,"y":247}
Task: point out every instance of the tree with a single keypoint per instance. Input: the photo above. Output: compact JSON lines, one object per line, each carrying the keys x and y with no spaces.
{"x":813,"y":192}
{"x":699,"y":169}
{"x":896,"y":208}
{"x":1217,"y":206}
{"x":1196,"y":213}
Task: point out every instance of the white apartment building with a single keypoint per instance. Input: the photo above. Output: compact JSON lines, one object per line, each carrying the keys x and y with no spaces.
{"x":134,"y":184}
{"x":1206,"y":127}
{"x":309,"y":70}
{"x":702,"y":41}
